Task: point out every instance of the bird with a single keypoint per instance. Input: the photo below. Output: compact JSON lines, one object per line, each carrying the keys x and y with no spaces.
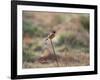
{"x":51,"y":35}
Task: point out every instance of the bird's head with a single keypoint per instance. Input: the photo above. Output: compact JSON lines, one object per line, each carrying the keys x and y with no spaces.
{"x":54,"y":31}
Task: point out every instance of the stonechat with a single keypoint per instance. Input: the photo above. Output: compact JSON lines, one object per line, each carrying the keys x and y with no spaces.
{"x":51,"y":35}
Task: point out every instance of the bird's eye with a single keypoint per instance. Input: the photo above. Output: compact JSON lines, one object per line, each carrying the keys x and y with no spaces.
{"x":54,"y":32}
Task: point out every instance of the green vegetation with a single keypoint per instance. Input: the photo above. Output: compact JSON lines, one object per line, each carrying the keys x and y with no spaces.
{"x":32,"y":29}
{"x":28,"y":56}
{"x":71,"y":41}
{"x":85,"y":22}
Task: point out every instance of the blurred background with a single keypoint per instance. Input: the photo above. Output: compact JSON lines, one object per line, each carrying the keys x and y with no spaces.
{"x":71,"y":41}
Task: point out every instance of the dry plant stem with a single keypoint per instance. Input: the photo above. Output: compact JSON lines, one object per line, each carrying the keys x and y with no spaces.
{"x":54,"y":53}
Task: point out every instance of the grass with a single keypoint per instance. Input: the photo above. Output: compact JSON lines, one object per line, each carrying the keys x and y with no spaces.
{"x":71,"y":46}
{"x":85,"y":22}
{"x":66,"y":59}
{"x":32,"y":29}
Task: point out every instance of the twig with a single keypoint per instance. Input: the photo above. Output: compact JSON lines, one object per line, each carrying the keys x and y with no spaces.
{"x":54,"y":53}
